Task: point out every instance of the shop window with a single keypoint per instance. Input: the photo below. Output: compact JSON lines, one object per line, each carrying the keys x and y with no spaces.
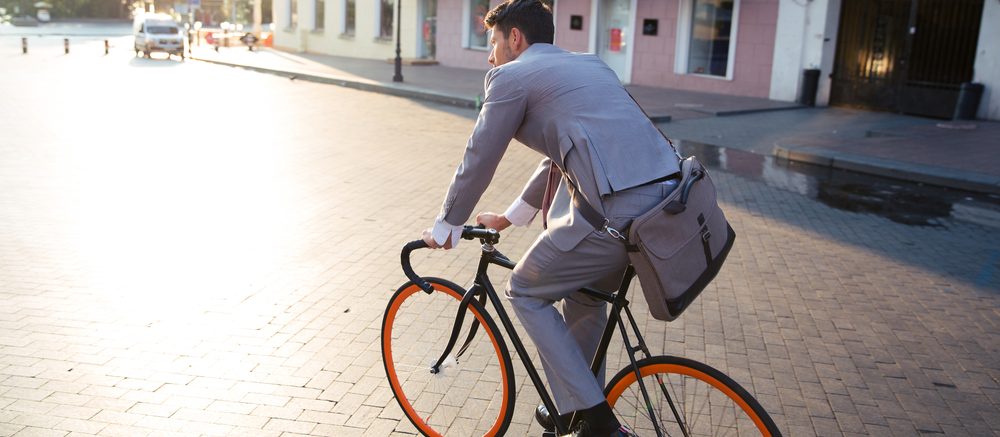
{"x":386,"y":8}
{"x":349,"y":17}
{"x":320,"y":15}
{"x":711,"y":37}
{"x":476,"y":35}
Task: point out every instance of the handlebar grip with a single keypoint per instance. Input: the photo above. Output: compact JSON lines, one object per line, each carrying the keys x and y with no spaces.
{"x":408,"y":270}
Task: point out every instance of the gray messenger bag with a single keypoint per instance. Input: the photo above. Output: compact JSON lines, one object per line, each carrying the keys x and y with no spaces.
{"x":677,"y":247}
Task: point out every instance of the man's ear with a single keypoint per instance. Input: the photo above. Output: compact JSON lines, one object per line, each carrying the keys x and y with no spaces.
{"x":517,"y":38}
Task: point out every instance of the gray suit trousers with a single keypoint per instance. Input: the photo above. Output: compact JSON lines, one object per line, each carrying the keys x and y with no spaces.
{"x":567,"y":343}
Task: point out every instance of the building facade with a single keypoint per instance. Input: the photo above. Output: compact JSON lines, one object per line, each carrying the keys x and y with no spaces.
{"x":907,"y":56}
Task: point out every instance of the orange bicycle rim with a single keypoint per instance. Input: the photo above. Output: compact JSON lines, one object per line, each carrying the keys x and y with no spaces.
{"x":647,"y":370}
{"x":391,"y":370}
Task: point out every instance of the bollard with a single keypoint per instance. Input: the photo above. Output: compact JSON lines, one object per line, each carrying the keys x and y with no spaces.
{"x":105,"y":47}
{"x":24,"y":46}
{"x":66,"y":45}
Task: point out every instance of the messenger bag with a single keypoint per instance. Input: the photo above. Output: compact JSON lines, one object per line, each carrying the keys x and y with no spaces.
{"x":678,"y":246}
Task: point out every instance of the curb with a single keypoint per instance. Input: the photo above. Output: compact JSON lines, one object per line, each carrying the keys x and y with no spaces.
{"x":730,"y":112}
{"x":395,"y":90}
{"x":944,"y":177}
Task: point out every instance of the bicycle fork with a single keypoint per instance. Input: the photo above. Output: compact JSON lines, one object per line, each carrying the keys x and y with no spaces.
{"x":632,"y":351}
{"x":463,"y":307}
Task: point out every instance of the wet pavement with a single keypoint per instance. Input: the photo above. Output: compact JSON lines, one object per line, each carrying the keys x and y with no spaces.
{"x":904,"y":202}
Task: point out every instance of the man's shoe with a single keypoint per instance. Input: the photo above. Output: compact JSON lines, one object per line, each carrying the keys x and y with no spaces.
{"x":543,"y":418}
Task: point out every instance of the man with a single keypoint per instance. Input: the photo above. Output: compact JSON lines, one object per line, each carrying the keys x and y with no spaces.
{"x":596,"y":141}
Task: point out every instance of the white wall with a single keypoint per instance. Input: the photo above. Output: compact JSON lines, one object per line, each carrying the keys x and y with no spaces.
{"x":363,"y":44}
{"x":806,"y":37}
{"x":987,"y":66}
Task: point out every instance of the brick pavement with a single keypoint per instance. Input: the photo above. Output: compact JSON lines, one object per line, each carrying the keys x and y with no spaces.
{"x":237,"y":288}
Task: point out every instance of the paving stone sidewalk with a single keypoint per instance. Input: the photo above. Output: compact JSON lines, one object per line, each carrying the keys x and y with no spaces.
{"x":235,"y":284}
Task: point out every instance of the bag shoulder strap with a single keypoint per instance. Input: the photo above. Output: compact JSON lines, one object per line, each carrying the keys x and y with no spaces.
{"x":596,"y":219}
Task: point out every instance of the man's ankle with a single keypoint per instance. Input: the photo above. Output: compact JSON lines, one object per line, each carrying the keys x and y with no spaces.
{"x":601,"y":419}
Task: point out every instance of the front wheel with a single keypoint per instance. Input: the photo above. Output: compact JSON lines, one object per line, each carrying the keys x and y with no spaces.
{"x":472,"y":392}
{"x":688,"y":398}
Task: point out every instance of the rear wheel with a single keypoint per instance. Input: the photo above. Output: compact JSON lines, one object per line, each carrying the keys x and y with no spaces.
{"x":472,"y":393}
{"x":702,"y":401}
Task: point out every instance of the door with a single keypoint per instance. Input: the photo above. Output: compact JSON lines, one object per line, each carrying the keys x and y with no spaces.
{"x":614,"y":35}
{"x":908,"y":56}
{"x":428,"y":28}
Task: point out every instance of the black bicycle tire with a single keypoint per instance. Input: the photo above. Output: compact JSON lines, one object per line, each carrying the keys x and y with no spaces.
{"x":702,"y":368}
{"x":486,"y":323}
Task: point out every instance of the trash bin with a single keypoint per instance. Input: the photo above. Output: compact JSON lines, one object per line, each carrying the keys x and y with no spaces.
{"x":810,"y":83}
{"x":969,"y":95}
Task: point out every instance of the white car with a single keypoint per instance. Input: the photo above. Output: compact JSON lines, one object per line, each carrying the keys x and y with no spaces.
{"x":158,"y":33}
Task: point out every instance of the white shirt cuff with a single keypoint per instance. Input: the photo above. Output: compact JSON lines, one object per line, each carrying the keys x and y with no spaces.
{"x":520,"y":213}
{"x":442,"y":230}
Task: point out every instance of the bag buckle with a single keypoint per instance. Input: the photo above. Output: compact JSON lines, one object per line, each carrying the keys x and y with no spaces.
{"x":614,"y":233}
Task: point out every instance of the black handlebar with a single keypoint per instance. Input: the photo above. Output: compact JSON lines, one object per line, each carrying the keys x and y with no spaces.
{"x":408,"y":270}
{"x":488,"y":236}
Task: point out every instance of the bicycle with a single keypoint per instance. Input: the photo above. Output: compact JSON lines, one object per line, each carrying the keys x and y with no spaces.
{"x":471,"y":390}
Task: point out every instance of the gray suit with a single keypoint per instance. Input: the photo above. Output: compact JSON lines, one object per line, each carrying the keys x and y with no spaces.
{"x":571,"y":108}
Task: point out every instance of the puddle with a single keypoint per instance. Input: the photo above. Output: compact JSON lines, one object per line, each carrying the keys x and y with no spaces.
{"x":903,"y":202}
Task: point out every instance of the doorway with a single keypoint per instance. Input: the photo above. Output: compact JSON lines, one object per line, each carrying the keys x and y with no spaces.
{"x":906,"y":56}
{"x":428,"y":29}
{"x":614,"y":37}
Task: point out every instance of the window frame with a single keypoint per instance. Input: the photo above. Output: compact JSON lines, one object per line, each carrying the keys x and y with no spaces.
{"x":319,"y":20}
{"x":344,"y":31}
{"x":467,"y":24}
{"x":683,"y":49}
{"x":378,"y":20}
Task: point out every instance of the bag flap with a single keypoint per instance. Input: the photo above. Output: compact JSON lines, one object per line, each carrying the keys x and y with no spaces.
{"x":664,"y":233}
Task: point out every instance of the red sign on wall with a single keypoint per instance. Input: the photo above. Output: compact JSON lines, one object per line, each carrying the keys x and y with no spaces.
{"x":615,"y":42}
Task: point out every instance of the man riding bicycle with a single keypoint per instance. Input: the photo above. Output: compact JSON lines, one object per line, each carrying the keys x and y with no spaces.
{"x":599,"y":148}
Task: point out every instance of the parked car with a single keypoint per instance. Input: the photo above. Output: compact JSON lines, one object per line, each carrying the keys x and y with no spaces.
{"x":158,"y":33}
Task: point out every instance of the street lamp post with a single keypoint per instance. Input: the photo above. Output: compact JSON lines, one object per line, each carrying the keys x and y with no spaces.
{"x":399,"y":61}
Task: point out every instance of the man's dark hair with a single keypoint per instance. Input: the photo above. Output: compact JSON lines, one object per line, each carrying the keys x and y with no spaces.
{"x":532,"y":17}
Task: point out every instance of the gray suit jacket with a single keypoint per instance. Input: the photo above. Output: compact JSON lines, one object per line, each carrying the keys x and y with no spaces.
{"x":571,"y":108}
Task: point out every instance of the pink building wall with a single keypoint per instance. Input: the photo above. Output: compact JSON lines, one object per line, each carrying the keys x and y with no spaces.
{"x":449,"y":49}
{"x":573,"y":40}
{"x":653,"y":62}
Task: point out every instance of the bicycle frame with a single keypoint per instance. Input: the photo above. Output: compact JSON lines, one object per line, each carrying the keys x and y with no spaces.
{"x":483,"y":289}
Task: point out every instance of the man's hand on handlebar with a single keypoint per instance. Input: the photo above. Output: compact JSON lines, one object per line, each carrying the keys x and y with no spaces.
{"x":493,"y":220}
{"x":428,"y":238}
